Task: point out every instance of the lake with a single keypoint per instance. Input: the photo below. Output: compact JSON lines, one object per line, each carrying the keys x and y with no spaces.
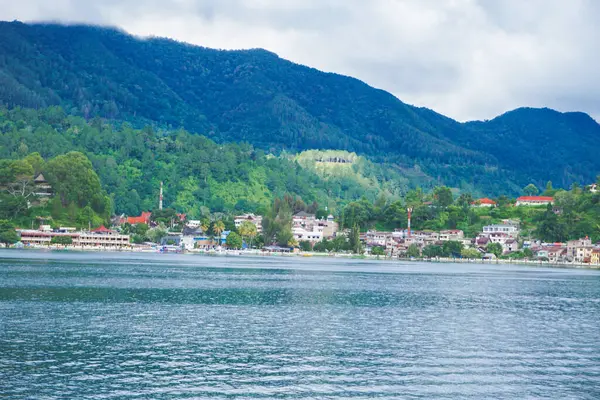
{"x":154,"y":326}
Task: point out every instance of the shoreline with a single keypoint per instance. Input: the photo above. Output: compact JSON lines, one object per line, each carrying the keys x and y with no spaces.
{"x":258,"y":253}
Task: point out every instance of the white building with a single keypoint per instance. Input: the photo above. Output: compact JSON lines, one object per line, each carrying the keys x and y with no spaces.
{"x":376,"y":238}
{"x":255,"y":219}
{"x":509,"y":229}
{"x":534,"y":200}
{"x":452,"y":235}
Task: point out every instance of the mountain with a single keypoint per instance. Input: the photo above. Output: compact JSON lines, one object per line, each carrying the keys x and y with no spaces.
{"x":254,"y":96}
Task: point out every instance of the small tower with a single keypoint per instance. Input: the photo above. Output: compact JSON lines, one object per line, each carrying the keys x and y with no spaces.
{"x":409,"y":210}
{"x":160,"y":197}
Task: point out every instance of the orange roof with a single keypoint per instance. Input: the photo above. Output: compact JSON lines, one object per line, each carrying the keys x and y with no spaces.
{"x":142,"y":219}
{"x":535,"y":198}
{"x":101,"y":229}
{"x":485,"y":200}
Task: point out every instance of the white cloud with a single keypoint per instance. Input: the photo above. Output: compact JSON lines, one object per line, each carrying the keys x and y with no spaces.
{"x":464,"y":58}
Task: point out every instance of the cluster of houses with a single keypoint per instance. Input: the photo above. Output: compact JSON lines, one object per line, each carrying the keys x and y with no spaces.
{"x":307,"y":227}
{"x":507,"y":234}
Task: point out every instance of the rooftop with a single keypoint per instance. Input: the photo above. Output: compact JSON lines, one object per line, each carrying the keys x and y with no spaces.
{"x":535,"y":198}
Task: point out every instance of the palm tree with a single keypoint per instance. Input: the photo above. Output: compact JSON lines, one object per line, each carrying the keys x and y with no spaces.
{"x":205,"y":225}
{"x":218,"y":228}
{"x":248,"y":230}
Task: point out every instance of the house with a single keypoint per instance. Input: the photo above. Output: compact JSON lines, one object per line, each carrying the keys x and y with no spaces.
{"x":172,"y":239}
{"x":451,"y":234}
{"x":311,"y":233}
{"x":303,"y":218}
{"x":580,"y":249}
{"x":510,"y":246}
{"x":381,"y":239}
{"x":191,"y":236}
{"x":306,"y":227}
{"x":255,"y":219}
{"x":509,"y":229}
{"x":593,"y":188}
{"x":42,"y":187}
{"x":595,"y":257}
{"x":193,"y":223}
{"x":534,"y":200}
{"x":553,"y":253}
{"x":485,"y":202}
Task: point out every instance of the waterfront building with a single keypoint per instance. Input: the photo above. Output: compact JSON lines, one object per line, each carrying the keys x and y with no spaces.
{"x":98,"y":238}
{"x":101,"y":237}
{"x":579,"y":250}
{"x":595,"y":257}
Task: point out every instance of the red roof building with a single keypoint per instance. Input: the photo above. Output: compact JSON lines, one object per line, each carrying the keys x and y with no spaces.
{"x":485,"y":202}
{"x":102,"y":229}
{"x":534,"y":200}
{"x":142,"y":219}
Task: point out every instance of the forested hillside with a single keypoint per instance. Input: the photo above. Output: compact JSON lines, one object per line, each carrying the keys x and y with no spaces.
{"x":198,"y":173}
{"x":254,"y":96}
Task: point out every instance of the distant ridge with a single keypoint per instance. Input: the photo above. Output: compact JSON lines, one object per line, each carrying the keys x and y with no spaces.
{"x":255,"y":96}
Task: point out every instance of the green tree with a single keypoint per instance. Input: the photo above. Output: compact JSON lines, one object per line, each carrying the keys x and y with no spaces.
{"x":305,"y":245}
{"x":277,"y":223}
{"x":452,"y":248}
{"x":413,"y":251}
{"x":234,"y":241}
{"x":432,"y":251}
{"x":36,"y":161}
{"x":155,"y":235}
{"x":550,"y":191}
{"x":495,"y":248}
{"x":248,"y":230}
{"x":8,"y":235}
{"x":530,"y":190}
{"x":73,"y":179}
{"x":442,"y":196}
{"x":354,"y":240}
{"x":323,"y":246}
{"x":218,"y":228}
{"x":470,"y":253}
{"x":378,"y":251}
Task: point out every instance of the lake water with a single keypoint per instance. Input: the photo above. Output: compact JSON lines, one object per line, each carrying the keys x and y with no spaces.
{"x":127,"y":326}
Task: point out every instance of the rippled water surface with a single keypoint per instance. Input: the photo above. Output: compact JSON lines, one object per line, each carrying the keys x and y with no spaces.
{"x":106,"y":326}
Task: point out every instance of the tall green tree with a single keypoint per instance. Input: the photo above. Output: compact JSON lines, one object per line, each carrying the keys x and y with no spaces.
{"x":531,"y":190}
{"x":74,"y":180}
{"x":8,"y":235}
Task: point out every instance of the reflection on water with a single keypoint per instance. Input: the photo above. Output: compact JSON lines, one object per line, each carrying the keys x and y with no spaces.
{"x":106,"y":326}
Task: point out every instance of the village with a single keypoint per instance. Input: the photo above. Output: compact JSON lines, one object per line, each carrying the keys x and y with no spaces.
{"x":495,"y":241}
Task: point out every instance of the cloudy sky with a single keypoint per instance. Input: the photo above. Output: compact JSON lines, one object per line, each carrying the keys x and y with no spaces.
{"x":468,"y":59}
